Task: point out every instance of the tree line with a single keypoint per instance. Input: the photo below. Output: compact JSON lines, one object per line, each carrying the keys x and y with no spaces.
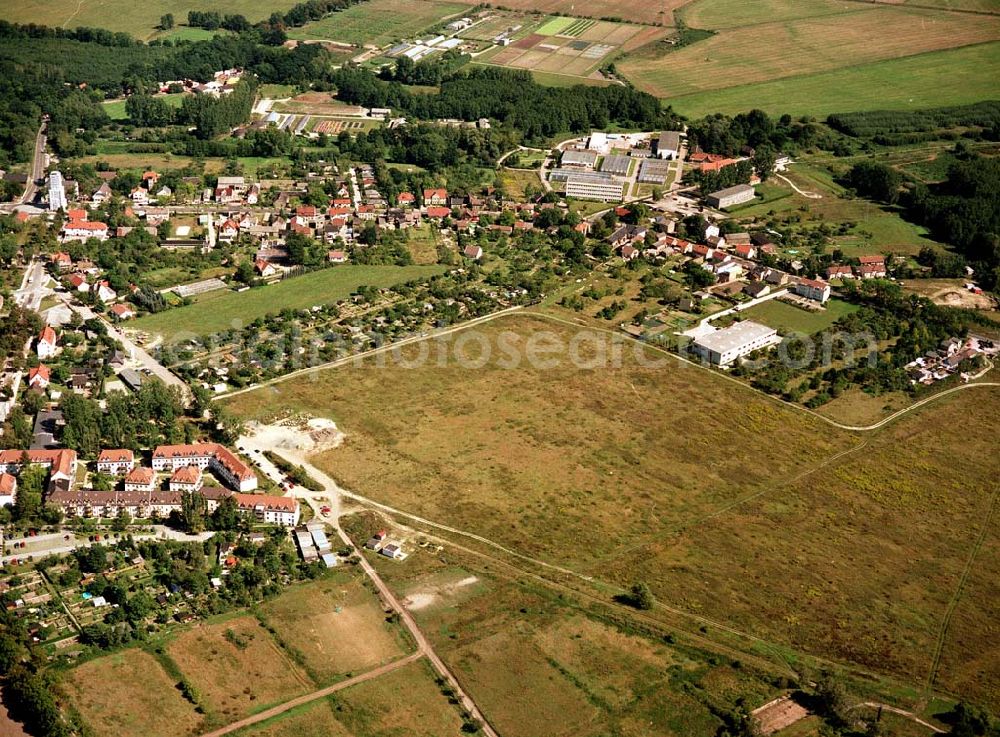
{"x":511,"y":97}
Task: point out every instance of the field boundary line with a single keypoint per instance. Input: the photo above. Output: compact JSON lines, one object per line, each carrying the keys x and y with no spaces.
{"x":901,"y":712}
{"x":372,"y":352}
{"x":315,"y":695}
{"x":959,"y":590}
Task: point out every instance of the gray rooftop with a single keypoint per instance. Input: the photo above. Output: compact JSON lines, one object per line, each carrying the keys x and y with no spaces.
{"x":736,"y":335}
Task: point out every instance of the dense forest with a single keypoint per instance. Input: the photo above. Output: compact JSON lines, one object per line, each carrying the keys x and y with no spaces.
{"x":961,"y":210}
{"x":511,"y":97}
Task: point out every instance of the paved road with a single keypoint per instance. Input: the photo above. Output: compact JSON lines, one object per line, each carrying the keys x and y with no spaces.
{"x":136,"y":352}
{"x":34,"y":286}
{"x":322,"y":693}
{"x":37,"y":170}
{"x":37,"y":166}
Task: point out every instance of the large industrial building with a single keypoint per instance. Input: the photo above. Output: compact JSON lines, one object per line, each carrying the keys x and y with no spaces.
{"x":653,"y":171}
{"x":722,"y":347}
{"x":576,"y":158}
{"x":616,"y":164}
{"x":730,"y":196}
{"x":669,"y":145}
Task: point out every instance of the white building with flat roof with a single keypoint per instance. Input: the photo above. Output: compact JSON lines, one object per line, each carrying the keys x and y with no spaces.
{"x":590,"y":188}
{"x":722,"y":347}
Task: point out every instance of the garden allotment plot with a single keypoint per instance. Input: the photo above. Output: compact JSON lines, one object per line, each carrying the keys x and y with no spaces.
{"x":575,"y":47}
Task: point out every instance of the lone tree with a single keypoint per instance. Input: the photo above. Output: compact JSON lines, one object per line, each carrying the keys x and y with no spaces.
{"x":167,"y":21}
{"x":642,"y":597}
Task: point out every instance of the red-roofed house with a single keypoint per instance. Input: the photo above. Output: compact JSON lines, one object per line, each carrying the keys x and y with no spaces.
{"x":82,"y":230}
{"x":473,"y":252}
{"x":115,"y":461}
{"x":265,"y":268}
{"x":140,"y":479}
{"x":864,"y":260}
{"x":76,"y":215}
{"x":437,"y":212}
{"x":336,"y":257}
{"x":871,"y":271}
{"x":8,"y":489}
{"x":48,"y":344}
{"x":406,"y":198}
{"x":814,"y":289}
{"x":78,"y":282}
{"x":228,"y":231}
{"x":188,"y":478}
{"x":435,"y":197}
{"x":275,"y":510}
{"x":62,"y":261}
{"x":122,"y":311}
{"x":839,"y":272}
{"x":39,"y":377}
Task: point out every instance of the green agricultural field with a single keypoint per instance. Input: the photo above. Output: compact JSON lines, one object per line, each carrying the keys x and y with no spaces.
{"x":910,"y":83}
{"x":223,"y":309}
{"x":116,"y":108}
{"x":554,"y":25}
{"x":789,"y":318}
{"x":819,"y":54}
{"x":685,"y":486}
{"x":722,"y":14}
{"x":378,"y":22}
{"x":139,"y":19}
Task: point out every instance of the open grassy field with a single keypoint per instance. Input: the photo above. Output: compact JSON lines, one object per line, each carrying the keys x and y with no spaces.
{"x":717,"y":15}
{"x":803,"y":47}
{"x":405,"y":701}
{"x":116,"y":108}
{"x":139,"y":19}
{"x":874,"y":229}
{"x":909,"y":83}
{"x":221,"y":310}
{"x":143,"y":701}
{"x":236,"y":668}
{"x":337,"y":626}
{"x":312,"y":720}
{"x":675,"y":476}
{"x":541,"y":664}
{"x":143,"y":161}
{"x":789,"y":318}
{"x":508,"y":472}
{"x":378,"y":22}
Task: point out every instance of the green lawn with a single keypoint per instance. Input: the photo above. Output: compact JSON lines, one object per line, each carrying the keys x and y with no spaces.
{"x":116,"y":108}
{"x":789,"y":318}
{"x":225,"y":309}
{"x":378,"y":22}
{"x":952,"y":77}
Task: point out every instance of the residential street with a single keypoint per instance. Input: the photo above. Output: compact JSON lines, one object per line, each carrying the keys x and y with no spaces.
{"x":134,"y":351}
